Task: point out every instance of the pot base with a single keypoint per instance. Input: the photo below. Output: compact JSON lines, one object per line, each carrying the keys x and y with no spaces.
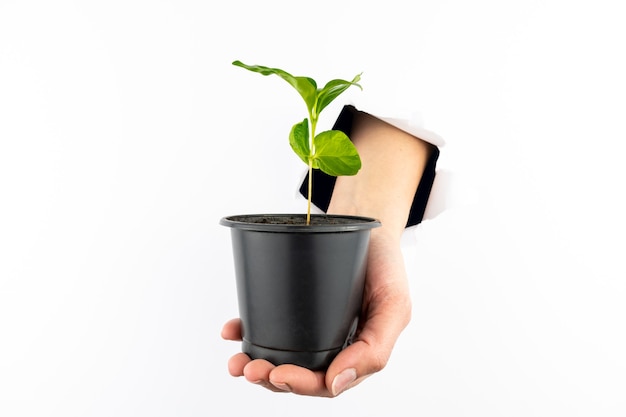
{"x":315,"y":361}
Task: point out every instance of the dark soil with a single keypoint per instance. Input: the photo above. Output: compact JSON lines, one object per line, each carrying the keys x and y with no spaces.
{"x":297,"y":219}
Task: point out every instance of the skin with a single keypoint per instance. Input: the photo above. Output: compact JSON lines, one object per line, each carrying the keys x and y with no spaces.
{"x":387,"y":304}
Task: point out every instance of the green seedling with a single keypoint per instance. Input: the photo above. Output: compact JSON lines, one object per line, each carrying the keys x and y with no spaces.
{"x":330,"y":151}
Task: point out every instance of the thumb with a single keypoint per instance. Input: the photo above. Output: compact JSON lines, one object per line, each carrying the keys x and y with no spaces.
{"x":351,"y":366}
{"x":357,"y":362}
{"x":371,"y":350}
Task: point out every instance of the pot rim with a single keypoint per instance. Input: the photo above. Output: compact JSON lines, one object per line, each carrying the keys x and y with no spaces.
{"x":350,"y":223}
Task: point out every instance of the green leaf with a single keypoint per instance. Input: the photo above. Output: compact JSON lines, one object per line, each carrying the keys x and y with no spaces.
{"x":335,"y":154}
{"x":307,"y":87}
{"x":299,"y":140}
{"x":332,"y":90}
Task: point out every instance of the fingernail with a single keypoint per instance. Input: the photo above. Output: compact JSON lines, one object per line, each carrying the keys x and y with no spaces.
{"x":281,"y":386}
{"x":342,"y":380}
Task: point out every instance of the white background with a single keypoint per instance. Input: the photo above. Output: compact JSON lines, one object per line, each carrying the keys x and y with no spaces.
{"x":125,"y":134}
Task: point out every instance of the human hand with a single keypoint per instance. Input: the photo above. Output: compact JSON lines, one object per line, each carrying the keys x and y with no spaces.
{"x":386,"y":312}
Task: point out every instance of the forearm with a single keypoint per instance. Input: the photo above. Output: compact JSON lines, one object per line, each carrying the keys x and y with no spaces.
{"x":393,"y":163}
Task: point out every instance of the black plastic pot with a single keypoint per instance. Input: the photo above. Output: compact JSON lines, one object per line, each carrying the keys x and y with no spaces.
{"x":299,"y":287}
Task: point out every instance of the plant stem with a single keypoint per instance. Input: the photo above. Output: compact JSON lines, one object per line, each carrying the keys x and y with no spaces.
{"x":310,"y":190}
{"x":311,"y":154}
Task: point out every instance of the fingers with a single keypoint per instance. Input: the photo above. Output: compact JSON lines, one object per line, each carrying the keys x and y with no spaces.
{"x":299,"y":380}
{"x":258,"y":372}
{"x":240,"y":364}
{"x":237,"y":363}
{"x":283,"y":378}
{"x":353,"y":365}
{"x":232,"y":330}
